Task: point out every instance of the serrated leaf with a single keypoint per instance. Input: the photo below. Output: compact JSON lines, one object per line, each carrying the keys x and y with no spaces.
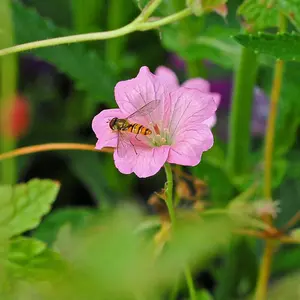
{"x":282,"y":46}
{"x":84,"y":66}
{"x":22,"y":206}
{"x":30,"y":259}
{"x":258,"y":15}
{"x":213,"y":44}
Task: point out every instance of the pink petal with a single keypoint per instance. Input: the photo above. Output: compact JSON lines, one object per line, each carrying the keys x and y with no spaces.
{"x":168,"y":76}
{"x":210,"y":122}
{"x":134,"y":93}
{"x":188,"y":107}
{"x":146,"y":163}
{"x":197,"y":83}
{"x":100,"y":124}
{"x":190,"y":145}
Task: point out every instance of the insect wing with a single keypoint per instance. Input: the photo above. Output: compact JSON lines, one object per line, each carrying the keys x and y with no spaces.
{"x":145,"y":110}
{"x":124,"y":146}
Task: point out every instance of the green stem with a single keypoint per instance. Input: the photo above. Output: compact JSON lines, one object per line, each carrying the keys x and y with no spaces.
{"x":170,"y":205}
{"x":190,"y":283}
{"x":135,"y":25}
{"x":169,"y":192}
{"x":241,"y":112}
{"x":116,"y":17}
{"x":8,"y":81}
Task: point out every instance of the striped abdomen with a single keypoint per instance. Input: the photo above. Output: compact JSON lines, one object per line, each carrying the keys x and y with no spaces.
{"x":138,"y":129}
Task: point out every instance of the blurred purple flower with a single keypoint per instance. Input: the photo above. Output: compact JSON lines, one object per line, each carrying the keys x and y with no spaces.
{"x":224,"y":88}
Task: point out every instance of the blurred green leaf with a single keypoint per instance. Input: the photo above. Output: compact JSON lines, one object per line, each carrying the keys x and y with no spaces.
{"x":291,"y":9}
{"x":213,"y":44}
{"x":111,"y":251}
{"x":220,"y":185}
{"x":84,"y":66}
{"x":203,"y":295}
{"x":30,"y":259}
{"x":285,"y":46}
{"x":286,"y":260}
{"x":48,"y":229}
{"x":240,"y":262}
{"x":288,"y":194}
{"x":285,"y":288}
{"x":23,"y":205}
{"x":258,"y":14}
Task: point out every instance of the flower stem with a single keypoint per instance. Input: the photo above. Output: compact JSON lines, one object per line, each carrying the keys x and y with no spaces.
{"x":270,"y":130}
{"x":170,"y":206}
{"x":136,"y":25}
{"x":8,"y":82}
{"x":241,"y":111}
{"x":264,"y":272}
{"x":169,"y":192}
{"x":190,"y":283}
{"x":265,"y":266}
{"x":51,"y":147}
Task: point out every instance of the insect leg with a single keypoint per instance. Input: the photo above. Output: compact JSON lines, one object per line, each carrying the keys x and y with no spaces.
{"x":133,"y":147}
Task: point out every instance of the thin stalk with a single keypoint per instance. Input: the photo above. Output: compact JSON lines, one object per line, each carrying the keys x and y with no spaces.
{"x":8,"y":83}
{"x":135,"y":25}
{"x":170,"y":206}
{"x":51,"y":147}
{"x":241,"y":112}
{"x":190,"y":283}
{"x":265,"y":266}
{"x":270,"y":130}
{"x":169,"y":192}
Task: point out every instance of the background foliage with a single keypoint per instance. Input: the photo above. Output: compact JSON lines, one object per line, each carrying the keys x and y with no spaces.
{"x":73,"y":233}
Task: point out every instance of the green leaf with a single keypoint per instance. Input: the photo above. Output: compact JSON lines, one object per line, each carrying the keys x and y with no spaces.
{"x":258,"y":14}
{"x":291,"y":9}
{"x":203,"y":295}
{"x":84,"y":66}
{"x":213,"y":43}
{"x":30,"y":260}
{"x":282,"y":46}
{"x":286,"y":260}
{"x":48,"y":229}
{"x":285,"y":288}
{"x":22,"y":206}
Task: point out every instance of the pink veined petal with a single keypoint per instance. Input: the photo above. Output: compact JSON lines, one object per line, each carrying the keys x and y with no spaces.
{"x":188,"y":107}
{"x":210,"y":122}
{"x":133,"y":94}
{"x":147,"y":162}
{"x":217,"y":98}
{"x":168,"y":76}
{"x":197,"y":83}
{"x":190,"y":145}
{"x":100,"y":124}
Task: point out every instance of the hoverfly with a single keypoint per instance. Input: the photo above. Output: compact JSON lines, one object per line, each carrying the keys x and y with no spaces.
{"x":123,"y":126}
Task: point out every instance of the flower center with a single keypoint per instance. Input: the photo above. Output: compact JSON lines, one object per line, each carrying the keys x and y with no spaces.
{"x":159,"y":136}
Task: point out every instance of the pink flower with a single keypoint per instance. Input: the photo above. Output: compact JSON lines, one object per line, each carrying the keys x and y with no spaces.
{"x":196,"y":83}
{"x":176,"y":119}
